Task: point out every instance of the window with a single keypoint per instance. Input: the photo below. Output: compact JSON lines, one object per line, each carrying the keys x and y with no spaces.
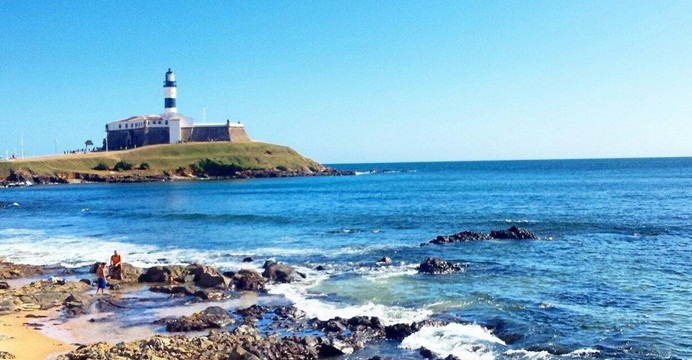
{"x":166,"y":122}
{"x":120,"y":126}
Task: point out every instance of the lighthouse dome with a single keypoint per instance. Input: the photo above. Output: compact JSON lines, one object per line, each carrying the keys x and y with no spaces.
{"x":170,"y":76}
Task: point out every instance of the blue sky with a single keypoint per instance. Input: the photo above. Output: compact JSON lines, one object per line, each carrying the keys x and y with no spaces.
{"x":360,"y":81}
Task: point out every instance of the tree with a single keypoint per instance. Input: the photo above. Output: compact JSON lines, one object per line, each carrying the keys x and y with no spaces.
{"x":88,"y":143}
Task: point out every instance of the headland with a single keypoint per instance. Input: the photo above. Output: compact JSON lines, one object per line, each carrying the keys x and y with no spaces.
{"x":164,"y":162}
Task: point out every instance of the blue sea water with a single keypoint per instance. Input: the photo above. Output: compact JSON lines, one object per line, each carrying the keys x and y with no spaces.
{"x":610,"y":277}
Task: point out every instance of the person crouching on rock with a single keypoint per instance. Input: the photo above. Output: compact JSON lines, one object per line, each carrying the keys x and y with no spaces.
{"x":101,"y":278}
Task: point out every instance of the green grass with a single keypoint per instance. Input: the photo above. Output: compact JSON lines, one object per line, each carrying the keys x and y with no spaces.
{"x":168,"y":157}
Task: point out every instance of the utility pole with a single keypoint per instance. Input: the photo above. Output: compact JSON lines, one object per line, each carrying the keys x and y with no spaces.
{"x":21,"y":143}
{"x":55,"y":142}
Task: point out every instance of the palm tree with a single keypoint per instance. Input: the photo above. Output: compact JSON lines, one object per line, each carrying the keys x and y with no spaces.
{"x":88,"y":143}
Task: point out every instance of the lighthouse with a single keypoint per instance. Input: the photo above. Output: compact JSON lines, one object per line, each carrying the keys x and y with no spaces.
{"x":169,"y":91}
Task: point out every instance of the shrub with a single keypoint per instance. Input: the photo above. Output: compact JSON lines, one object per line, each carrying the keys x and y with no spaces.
{"x":282,"y":168}
{"x":218,"y":168}
{"x":101,"y":166}
{"x":144,"y":166}
{"x":122,"y":166}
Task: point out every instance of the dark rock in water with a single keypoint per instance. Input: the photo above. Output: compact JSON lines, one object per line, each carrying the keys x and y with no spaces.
{"x":438,"y":266}
{"x":281,"y":273}
{"x":426,"y":353}
{"x":336,"y":348}
{"x":290,"y":312}
{"x":4,"y":285}
{"x":378,"y":358}
{"x":248,"y":259}
{"x":177,"y":289}
{"x":248,"y":280}
{"x":400,"y":331}
{"x":385,"y":260}
{"x":114,"y":286}
{"x":320,"y":268}
{"x":254,"y":312}
{"x":86,"y":281}
{"x":211,"y":317}
{"x":513,"y":233}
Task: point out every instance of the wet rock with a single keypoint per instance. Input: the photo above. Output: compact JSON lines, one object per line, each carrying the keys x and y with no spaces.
{"x":248,"y":259}
{"x":281,"y":273}
{"x":252,"y":313}
{"x":320,"y":268}
{"x":385,"y":260}
{"x":248,"y":280}
{"x":289,"y":312}
{"x":513,"y":233}
{"x":162,"y":273}
{"x":438,"y":266}
{"x":211,"y":317}
{"x":86,"y":281}
{"x":400,"y":331}
{"x":426,"y":353}
{"x":336,"y":348}
{"x":4,"y":285}
{"x":10,"y":270}
{"x":175,"y":289}
{"x":207,"y":276}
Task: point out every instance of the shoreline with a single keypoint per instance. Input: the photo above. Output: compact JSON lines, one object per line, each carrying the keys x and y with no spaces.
{"x":26,"y":341}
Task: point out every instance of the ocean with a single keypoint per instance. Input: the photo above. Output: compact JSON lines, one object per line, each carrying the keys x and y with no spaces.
{"x":609,"y":278}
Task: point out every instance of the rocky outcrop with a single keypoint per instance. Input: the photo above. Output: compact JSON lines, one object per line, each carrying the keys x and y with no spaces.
{"x":248,"y":280}
{"x":511,"y":233}
{"x":438,"y":266}
{"x":46,"y":295}
{"x":211,"y":317}
{"x":162,"y":273}
{"x":10,"y":270}
{"x":207,"y":276}
{"x":281,"y":273}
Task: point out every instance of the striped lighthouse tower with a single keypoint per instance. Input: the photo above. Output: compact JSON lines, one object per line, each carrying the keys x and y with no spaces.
{"x":170,"y":92}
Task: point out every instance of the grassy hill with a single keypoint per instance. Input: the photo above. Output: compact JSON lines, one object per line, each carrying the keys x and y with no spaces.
{"x":167,"y":158}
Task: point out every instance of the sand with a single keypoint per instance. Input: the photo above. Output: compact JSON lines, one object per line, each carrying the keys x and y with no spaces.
{"x":27,"y":343}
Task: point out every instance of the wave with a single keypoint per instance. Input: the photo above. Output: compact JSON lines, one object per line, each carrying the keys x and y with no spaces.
{"x":468,"y":341}
{"x":316,"y":305}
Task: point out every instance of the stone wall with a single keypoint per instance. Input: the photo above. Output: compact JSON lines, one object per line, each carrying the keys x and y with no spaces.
{"x":126,"y":139}
{"x":158,"y":135}
{"x":210,"y":133}
{"x":237,"y":134}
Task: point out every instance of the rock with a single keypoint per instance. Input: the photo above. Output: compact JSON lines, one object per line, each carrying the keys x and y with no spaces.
{"x":4,"y":285}
{"x":513,"y":233}
{"x":86,"y":281}
{"x":10,"y":270}
{"x":336,"y":348}
{"x":162,"y":273}
{"x":385,"y":260}
{"x":211,"y":317}
{"x":290,"y":312}
{"x":438,"y":266}
{"x":400,"y":331}
{"x":281,"y":273}
{"x":426,"y":353}
{"x":248,"y":280}
{"x":207,"y":276}
{"x":128,"y":273}
{"x":247,"y":259}
{"x":6,"y":355}
{"x":320,"y":268}
{"x":174,"y":290}
{"x":252,"y":313}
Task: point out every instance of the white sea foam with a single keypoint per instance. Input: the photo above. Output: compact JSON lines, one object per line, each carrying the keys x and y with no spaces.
{"x":517,"y":221}
{"x":582,"y":353}
{"x":527,"y":355}
{"x":384,"y":272}
{"x":465,"y":341}
{"x":317,"y":306}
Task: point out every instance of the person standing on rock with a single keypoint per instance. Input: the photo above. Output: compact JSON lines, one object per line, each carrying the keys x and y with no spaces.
{"x":101,"y":278}
{"x":116,"y":267}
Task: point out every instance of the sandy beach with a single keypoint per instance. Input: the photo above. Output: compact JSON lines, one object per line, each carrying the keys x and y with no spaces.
{"x":26,"y":342}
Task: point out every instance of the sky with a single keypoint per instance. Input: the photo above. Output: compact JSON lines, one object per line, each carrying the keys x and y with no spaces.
{"x":359,"y":81}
